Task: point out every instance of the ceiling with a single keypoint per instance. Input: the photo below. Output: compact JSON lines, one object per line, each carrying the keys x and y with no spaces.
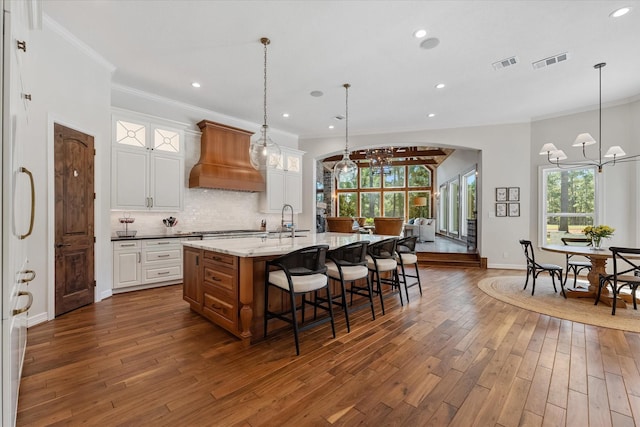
{"x":161,"y":47}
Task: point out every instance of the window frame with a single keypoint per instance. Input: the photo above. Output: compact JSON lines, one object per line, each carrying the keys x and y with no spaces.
{"x":542,"y":198}
{"x":382,"y":190}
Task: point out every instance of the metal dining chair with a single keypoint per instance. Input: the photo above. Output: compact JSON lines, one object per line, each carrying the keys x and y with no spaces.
{"x":572,"y":263}
{"x":626,"y":272}
{"x":534,"y":268}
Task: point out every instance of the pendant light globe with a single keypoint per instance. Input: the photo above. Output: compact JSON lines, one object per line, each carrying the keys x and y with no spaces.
{"x":345,"y":170}
{"x":263,"y":152}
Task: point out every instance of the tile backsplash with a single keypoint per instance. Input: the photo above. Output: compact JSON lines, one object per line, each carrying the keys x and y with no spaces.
{"x":204,"y":210}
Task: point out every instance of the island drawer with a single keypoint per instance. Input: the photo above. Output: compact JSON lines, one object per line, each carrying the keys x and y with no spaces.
{"x":222,"y":259}
{"x":220,"y":277}
{"x":220,"y":308}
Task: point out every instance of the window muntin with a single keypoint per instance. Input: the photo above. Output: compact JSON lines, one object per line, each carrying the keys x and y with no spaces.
{"x":568,"y":202}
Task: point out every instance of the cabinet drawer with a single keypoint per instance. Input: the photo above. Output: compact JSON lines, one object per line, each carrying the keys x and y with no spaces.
{"x":219,"y":309}
{"x":161,"y":243}
{"x":162,"y":255}
{"x":126,"y":245}
{"x":222,"y":259}
{"x":160,"y":274}
{"x":223,"y":279}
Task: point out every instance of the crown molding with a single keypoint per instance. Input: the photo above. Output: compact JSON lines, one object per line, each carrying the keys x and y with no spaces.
{"x":79,"y":44}
{"x":199,"y":111}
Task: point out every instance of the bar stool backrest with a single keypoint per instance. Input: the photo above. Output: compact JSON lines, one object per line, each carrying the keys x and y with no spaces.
{"x":384,"y":248}
{"x":305,"y":261}
{"x":350,"y":254}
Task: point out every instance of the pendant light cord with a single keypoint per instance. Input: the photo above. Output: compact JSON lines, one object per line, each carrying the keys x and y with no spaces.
{"x":265,"y":41}
{"x":600,"y":112}
{"x":346,"y":116}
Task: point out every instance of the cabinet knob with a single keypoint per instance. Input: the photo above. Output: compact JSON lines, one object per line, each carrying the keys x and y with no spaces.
{"x":22,"y":45}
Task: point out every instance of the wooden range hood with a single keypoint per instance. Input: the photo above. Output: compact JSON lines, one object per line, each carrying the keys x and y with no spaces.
{"x":224,"y":160}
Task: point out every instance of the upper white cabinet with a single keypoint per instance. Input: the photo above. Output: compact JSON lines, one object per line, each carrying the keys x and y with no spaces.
{"x":284,"y":183}
{"x":147,"y":165}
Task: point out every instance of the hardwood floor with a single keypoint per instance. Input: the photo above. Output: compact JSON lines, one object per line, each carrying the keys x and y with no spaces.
{"x":455,"y":357}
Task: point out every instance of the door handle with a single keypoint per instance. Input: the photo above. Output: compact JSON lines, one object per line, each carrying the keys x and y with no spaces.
{"x":60,"y":245}
{"x":22,"y":169}
{"x":17,"y":311}
{"x":31,"y":273}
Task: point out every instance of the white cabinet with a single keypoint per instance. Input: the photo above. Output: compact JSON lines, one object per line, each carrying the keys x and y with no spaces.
{"x":284,"y":183}
{"x":141,"y":263}
{"x":147,"y":166}
{"x":127,"y":261}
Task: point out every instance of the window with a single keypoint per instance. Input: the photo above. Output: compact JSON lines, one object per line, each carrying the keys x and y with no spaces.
{"x":568,"y":202}
{"x":387,"y":192}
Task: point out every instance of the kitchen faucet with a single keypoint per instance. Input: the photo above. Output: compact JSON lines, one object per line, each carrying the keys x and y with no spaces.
{"x":290,"y":226}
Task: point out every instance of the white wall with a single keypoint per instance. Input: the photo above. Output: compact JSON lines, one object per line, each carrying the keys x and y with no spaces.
{"x":498,"y":236}
{"x":73,"y":89}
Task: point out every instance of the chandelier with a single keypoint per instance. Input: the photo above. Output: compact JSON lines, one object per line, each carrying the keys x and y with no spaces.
{"x":615,"y":154}
{"x":346,"y":170}
{"x":379,"y":158}
{"x":263,"y":152}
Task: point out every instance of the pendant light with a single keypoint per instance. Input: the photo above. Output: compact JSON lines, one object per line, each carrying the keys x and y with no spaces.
{"x":345,"y":170}
{"x":263,"y":152}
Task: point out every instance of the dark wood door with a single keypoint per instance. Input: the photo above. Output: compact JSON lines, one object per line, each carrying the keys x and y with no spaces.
{"x":74,"y":220}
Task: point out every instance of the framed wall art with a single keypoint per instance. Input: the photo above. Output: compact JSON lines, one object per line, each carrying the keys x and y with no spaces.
{"x":501,"y":194}
{"x":514,"y":209}
{"x":501,"y":209}
{"x":514,"y":194}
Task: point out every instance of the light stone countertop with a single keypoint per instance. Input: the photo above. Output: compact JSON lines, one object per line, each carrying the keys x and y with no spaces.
{"x":257,"y":247}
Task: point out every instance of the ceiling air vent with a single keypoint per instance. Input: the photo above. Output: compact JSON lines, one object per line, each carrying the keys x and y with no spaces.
{"x":550,"y":61}
{"x":505,"y":63}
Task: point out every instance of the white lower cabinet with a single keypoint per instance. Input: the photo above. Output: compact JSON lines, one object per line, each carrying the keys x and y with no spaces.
{"x":137,"y":263}
{"x":126,"y":264}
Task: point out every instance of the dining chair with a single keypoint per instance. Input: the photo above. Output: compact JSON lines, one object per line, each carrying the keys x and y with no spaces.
{"x":299,"y":273}
{"x":534,"y":268}
{"x":626,"y":272}
{"x":406,"y":256}
{"x":348,"y":265}
{"x":572,"y":263}
{"x":381,"y":258}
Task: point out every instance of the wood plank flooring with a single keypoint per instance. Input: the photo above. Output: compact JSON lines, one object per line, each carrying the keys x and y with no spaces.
{"x":455,"y":357}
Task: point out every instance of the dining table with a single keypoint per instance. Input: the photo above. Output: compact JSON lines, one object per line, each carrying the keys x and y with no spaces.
{"x":598,"y":258}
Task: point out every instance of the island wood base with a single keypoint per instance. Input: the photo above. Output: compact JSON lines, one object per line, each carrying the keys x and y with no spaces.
{"x":229,"y":291}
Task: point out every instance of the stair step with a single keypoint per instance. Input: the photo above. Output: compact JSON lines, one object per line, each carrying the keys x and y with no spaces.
{"x":441,"y":259}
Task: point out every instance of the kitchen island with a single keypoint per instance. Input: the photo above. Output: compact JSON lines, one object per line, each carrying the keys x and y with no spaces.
{"x":224,"y":279}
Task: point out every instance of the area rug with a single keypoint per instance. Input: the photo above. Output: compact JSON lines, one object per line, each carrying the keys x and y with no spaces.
{"x":509,"y":289}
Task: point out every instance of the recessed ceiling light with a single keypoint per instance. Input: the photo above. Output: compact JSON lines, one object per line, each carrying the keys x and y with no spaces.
{"x":440,"y":86}
{"x":195,"y":84}
{"x":431,"y":115}
{"x":285,"y":115}
{"x":331,"y":126}
{"x":419,"y":33}
{"x":316,"y":93}
{"x":429,"y":43}
{"x":620,"y":12}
